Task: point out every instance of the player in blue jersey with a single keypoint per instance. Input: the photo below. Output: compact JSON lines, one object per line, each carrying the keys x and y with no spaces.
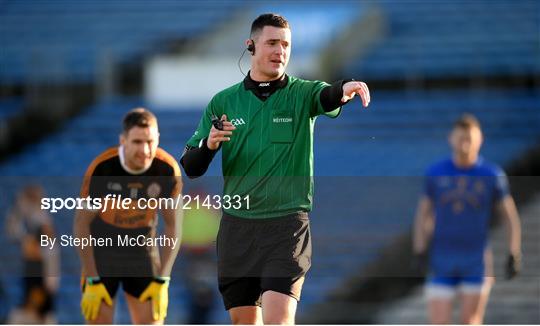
{"x":461,"y":195}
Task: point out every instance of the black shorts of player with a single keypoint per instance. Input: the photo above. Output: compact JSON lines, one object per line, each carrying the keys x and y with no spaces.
{"x":258,"y":255}
{"x":32,"y":283}
{"x":133,"y":286}
{"x":132,"y":266}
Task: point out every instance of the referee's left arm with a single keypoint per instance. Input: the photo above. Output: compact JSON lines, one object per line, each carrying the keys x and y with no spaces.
{"x":341,"y":92}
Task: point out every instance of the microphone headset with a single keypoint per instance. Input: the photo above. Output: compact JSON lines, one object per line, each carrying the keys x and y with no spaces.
{"x":251,"y":49}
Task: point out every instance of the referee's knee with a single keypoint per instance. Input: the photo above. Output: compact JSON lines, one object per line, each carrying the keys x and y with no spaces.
{"x":244,"y":320}
{"x":278,"y":308}
{"x":279,"y":320}
{"x":248,"y":315}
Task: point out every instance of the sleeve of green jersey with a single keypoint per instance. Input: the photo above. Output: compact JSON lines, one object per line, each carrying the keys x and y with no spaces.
{"x":203,"y":129}
{"x":317,"y":108}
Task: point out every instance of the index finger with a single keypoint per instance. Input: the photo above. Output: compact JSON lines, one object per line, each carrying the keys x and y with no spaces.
{"x":362,"y":93}
{"x":366,"y":89}
{"x":227,"y":125}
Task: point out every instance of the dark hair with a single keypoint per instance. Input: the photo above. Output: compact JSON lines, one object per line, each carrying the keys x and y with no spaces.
{"x":138,"y":117}
{"x":467,"y":121}
{"x":269,"y":19}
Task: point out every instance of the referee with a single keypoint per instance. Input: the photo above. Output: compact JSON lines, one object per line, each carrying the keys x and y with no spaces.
{"x":264,"y":126}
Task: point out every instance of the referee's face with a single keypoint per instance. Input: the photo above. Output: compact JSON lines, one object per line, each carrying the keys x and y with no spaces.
{"x":140,"y":146}
{"x":272,"y":50}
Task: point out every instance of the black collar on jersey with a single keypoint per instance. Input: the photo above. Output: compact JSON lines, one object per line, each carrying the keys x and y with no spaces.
{"x":263,"y":90}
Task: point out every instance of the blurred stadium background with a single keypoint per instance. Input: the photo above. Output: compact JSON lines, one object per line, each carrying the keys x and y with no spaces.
{"x":69,"y":70}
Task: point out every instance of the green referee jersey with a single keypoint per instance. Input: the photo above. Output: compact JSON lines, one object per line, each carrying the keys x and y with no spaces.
{"x":270,"y":155}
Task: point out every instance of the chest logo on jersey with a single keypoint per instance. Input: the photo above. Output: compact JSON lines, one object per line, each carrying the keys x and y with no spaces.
{"x":461,"y":191}
{"x":282,"y":120}
{"x":153,"y":190}
{"x":114,"y":186}
{"x":237,"y":122}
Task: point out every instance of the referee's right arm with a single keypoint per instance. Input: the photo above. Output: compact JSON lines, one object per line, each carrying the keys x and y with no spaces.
{"x":196,"y":159}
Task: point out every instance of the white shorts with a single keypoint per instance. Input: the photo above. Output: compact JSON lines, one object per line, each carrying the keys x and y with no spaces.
{"x":448,"y":287}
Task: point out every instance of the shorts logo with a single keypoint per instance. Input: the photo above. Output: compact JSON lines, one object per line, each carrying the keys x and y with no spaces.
{"x":237,"y":122}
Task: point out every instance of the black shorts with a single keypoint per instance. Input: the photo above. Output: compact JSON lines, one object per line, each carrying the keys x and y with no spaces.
{"x":257,"y":255}
{"x":133,"y":286}
{"x":38,"y":283}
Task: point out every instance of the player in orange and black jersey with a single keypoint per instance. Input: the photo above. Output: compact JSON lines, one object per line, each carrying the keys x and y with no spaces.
{"x":137,"y":169}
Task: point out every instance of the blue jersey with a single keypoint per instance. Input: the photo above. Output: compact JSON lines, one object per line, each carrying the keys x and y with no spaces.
{"x":464,"y":201}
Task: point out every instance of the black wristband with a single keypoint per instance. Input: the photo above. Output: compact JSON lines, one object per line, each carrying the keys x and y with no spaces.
{"x":331,"y":95}
{"x":204,"y":147}
{"x":196,"y":160}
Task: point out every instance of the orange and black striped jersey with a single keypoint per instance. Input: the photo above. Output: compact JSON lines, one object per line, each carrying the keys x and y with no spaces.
{"x":106,"y":175}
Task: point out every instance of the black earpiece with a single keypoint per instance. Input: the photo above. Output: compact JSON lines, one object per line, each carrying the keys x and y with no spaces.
{"x":251,"y":47}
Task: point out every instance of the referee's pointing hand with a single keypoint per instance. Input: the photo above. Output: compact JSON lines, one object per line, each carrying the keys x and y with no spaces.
{"x":352,"y":88}
{"x":217,"y":136}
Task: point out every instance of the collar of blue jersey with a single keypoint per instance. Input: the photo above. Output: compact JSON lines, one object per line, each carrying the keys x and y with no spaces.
{"x":265,"y":87}
{"x":479,"y":161}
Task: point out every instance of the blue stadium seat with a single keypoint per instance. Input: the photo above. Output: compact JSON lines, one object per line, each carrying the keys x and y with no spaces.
{"x":10,"y":107}
{"x":64,"y":40}
{"x":453,"y":39}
